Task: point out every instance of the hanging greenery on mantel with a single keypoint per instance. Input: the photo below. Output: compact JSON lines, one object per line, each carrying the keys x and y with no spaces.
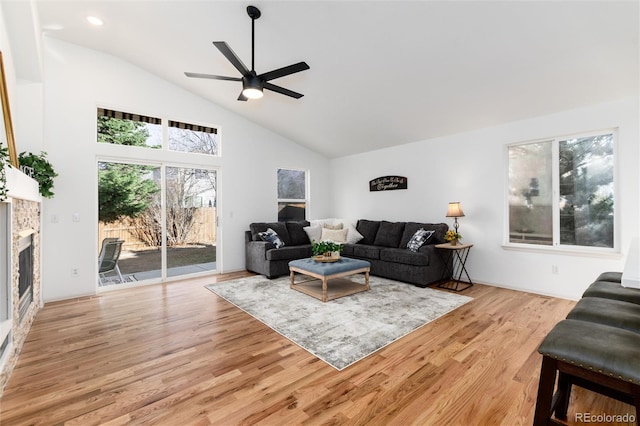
{"x":35,"y":166}
{"x":39,"y":168}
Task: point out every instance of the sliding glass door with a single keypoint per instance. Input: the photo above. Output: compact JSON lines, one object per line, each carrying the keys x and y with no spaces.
{"x":190,"y":220}
{"x":165,"y":217}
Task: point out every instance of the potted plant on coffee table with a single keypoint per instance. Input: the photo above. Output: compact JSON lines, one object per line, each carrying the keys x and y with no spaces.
{"x":326,"y":249}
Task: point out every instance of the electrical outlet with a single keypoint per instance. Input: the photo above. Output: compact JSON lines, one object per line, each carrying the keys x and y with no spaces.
{"x":74,"y":272}
{"x":554,"y":269}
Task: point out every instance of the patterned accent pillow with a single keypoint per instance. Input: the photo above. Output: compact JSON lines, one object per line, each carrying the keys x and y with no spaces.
{"x":272,"y":237}
{"x":419,"y":239}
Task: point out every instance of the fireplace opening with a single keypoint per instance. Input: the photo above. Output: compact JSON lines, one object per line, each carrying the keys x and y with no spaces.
{"x":25,"y":275}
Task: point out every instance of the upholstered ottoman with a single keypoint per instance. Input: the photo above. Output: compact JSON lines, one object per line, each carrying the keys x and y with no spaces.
{"x":324,"y":272}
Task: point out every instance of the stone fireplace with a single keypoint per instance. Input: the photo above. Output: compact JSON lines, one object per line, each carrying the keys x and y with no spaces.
{"x":25,"y":272}
{"x":20,"y":287}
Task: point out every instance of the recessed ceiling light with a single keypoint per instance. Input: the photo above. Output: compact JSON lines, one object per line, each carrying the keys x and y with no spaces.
{"x":94,"y":21}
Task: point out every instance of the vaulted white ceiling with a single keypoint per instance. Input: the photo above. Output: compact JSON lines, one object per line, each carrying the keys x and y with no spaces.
{"x":382,"y":72}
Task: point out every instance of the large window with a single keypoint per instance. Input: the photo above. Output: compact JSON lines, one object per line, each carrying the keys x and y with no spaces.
{"x":561,"y":191}
{"x":162,"y":209}
{"x":292,"y":199}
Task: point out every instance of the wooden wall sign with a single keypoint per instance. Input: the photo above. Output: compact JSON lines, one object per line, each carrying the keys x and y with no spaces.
{"x":388,"y":183}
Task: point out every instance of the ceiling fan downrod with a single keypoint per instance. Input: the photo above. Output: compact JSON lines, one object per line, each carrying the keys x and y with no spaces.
{"x":254,"y":13}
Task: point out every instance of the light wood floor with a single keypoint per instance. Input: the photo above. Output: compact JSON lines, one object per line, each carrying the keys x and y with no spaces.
{"x":177,"y":354}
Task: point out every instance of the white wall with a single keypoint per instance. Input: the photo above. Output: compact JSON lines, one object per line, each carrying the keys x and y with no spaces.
{"x":471,"y":168}
{"x":76,"y":81}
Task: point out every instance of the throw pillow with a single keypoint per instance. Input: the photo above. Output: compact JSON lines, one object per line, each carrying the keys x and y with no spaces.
{"x":353,"y":236}
{"x":335,"y":235}
{"x":338,"y":226}
{"x":270,"y":236}
{"x":419,"y":239}
{"x":314,"y":232}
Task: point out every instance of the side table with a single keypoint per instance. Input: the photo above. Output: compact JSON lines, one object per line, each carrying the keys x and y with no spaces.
{"x":454,"y":259}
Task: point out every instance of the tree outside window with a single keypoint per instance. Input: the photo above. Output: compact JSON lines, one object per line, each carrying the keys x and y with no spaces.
{"x":580,"y":172}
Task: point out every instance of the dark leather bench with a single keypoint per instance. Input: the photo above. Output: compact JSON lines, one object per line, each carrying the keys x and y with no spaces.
{"x":612,"y":290}
{"x":615,"y":313}
{"x":597,"y":357}
{"x":597,"y":347}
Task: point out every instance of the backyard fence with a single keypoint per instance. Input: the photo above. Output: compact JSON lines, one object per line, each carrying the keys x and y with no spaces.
{"x":203,"y":230}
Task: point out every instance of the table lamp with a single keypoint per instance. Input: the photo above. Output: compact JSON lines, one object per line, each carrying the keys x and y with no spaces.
{"x":455,"y":211}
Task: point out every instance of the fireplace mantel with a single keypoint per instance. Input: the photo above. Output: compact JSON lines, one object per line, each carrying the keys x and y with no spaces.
{"x":21,"y":186}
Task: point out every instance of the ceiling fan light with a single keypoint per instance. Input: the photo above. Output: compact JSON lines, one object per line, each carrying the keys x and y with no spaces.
{"x":252,"y":93}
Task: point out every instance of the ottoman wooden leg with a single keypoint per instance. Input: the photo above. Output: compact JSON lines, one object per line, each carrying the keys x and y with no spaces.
{"x":324,"y":289}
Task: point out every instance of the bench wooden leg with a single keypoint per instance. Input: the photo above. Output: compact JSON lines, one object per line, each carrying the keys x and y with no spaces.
{"x":544,"y":403}
{"x":563,"y":397}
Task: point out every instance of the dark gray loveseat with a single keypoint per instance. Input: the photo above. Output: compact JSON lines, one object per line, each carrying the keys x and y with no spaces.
{"x":383,"y":245}
{"x":264,"y":258}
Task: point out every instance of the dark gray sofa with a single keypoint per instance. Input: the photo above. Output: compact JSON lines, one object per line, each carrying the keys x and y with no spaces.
{"x":383,"y":245}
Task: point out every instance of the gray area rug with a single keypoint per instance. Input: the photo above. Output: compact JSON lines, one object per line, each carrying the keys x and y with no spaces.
{"x":345,"y":330}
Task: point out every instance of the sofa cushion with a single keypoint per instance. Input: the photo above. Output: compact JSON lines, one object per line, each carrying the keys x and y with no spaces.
{"x":411,"y":228}
{"x":279,"y":227}
{"x":296,"y":232}
{"x":289,"y":252}
{"x":347,"y":249}
{"x":270,"y":236}
{"x":419,"y":239}
{"x":368,"y":229}
{"x":389,"y":234}
{"x":402,"y":255}
{"x":366,"y":251}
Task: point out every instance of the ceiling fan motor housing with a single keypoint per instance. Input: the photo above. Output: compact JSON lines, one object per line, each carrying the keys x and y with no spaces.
{"x":252,"y":81}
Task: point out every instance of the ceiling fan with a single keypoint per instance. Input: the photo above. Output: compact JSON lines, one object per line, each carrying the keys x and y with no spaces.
{"x":253,"y":83}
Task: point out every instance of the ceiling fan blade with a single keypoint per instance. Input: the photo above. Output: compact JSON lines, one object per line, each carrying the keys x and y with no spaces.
{"x":242,"y":97}
{"x":282,"y":90}
{"x":224,"y":48}
{"x":212,"y":77}
{"x":281,"y":72}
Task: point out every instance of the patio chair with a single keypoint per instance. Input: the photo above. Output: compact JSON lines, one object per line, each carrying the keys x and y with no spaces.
{"x":108,"y":258}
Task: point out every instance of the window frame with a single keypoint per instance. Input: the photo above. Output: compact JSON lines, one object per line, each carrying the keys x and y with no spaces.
{"x":294,"y":200}
{"x":556,"y":246}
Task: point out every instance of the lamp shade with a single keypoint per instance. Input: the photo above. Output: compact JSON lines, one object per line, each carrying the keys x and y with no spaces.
{"x":455,"y":210}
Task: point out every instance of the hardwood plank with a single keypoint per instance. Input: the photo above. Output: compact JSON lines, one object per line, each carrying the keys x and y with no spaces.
{"x":178,"y":354}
